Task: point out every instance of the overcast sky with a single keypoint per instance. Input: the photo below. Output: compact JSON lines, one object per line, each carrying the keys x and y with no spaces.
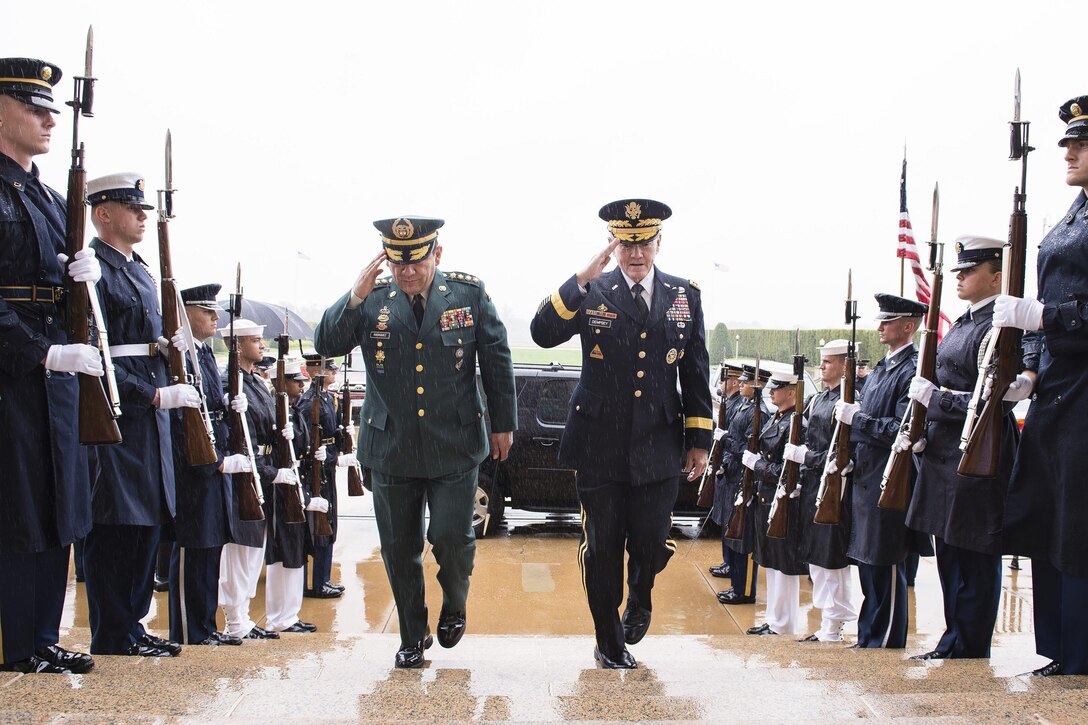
{"x":775,"y":131}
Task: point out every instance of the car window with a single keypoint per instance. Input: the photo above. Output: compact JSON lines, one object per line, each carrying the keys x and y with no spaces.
{"x":554,"y":401}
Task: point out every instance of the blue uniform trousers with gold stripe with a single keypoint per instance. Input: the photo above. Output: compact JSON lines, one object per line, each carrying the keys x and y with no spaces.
{"x":120,"y":565}
{"x":194,"y":592}
{"x":618,"y":515}
{"x":31,"y":601}
{"x":1060,"y":601}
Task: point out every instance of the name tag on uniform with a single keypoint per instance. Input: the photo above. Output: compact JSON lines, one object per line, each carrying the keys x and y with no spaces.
{"x":376,"y":335}
{"x":455,"y":319}
{"x":597,"y":322}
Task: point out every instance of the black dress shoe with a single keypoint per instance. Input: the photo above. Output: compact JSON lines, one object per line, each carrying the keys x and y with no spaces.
{"x":161,"y":585}
{"x":34,"y":665}
{"x":636,"y":621}
{"x":301,"y":627}
{"x":147,"y":650}
{"x":261,"y":633}
{"x":624,"y":662}
{"x":934,"y":655}
{"x":411,"y":657}
{"x":1051,"y":670}
{"x":856,"y":645}
{"x":451,"y":627}
{"x":761,"y":630}
{"x":209,"y":642}
{"x":337,"y":587}
{"x":730,"y":596}
{"x":325,"y":592}
{"x":75,"y":662}
{"x":164,"y":644}
{"x":721,"y":571}
{"x":810,"y":638}
{"x":227,"y":639}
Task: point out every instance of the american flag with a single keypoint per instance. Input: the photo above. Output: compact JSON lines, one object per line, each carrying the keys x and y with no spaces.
{"x":907,"y":249}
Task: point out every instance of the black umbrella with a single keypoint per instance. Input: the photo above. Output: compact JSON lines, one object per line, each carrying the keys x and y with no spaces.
{"x":271,"y":316}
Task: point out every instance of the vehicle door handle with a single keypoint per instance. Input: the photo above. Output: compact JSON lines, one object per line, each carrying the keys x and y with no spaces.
{"x":546,"y":441}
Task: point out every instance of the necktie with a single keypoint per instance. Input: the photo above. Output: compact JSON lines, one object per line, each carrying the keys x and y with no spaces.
{"x":417,"y":309}
{"x":640,"y":302}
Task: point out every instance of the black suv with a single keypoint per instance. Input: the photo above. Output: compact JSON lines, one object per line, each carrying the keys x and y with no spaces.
{"x":532,"y":478}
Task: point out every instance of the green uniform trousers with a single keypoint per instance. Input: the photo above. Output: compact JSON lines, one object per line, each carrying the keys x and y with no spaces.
{"x":398,"y":507}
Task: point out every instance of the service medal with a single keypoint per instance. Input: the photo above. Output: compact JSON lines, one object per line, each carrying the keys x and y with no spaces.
{"x":670,"y":357}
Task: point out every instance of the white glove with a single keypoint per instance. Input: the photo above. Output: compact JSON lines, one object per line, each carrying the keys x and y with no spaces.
{"x":288,"y":431}
{"x":833,"y":466}
{"x":845,"y":412}
{"x":74,"y":359}
{"x":177,"y":341}
{"x":318,"y":504}
{"x":85,"y":267}
{"x":795,"y":453}
{"x":921,"y":390}
{"x":236,"y":463}
{"x":719,"y":433}
{"x":286,"y":475}
{"x":178,"y":396}
{"x":346,"y":460}
{"x":1022,"y":312}
{"x":796,"y":491}
{"x":749,"y":459}
{"x":320,"y":454}
{"x":1019,"y":389}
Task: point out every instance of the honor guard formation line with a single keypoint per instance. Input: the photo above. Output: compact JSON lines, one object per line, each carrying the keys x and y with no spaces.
{"x":122,"y":435}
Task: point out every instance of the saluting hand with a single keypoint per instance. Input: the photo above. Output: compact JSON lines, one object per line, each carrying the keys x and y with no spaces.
{"x":596,"y":266}
{"x":364,"y":283}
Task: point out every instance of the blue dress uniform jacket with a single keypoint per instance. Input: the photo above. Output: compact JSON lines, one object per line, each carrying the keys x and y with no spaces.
{"x":627,"y":420}
{"x":329,"y":431}
{"x":778,"y":554}
{"x":733,"y":405}
{"x":261,"y":418}
{"x":133,"y":481}
{"x":822,"y":544}
{"x":1048,"y":496}
{"x":879,"y":536}
{"x":44,"y":491}
{"x":964,"y":512}
{"x":736,"y":444}
{"x":423,"y":415}
{"x":204,"y":493}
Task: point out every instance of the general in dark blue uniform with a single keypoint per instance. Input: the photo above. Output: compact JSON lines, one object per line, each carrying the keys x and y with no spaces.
{"x":44,"y":491}
{"x":630,"y":429}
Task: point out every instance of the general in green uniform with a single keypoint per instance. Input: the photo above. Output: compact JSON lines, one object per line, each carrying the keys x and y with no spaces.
{"x":423,"y":332}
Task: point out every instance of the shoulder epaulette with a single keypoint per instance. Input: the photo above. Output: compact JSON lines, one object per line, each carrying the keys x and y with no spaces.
{"x":694,"y":284}
{"x":466,"y":278}
{"x":383,"y":281}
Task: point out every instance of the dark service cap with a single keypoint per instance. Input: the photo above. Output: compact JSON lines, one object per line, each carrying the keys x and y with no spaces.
{"x":750,"y":374}
{"x":892,"y":307}
{"x":313,"y":360}
{"x":729,"y":370}
{"x":265,"y":362}
{"x":126,"y":188}
{"x":202,"y":296}
{"x":30,"y":81}
{"x":1074,"y":113}
{"x":409,"y":239}
{"x":635,"y":221}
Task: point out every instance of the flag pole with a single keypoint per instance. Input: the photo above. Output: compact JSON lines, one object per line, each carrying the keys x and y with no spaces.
{"x":902,"y":266}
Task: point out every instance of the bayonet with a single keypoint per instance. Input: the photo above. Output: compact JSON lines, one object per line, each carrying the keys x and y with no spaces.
{"x":169,"y":191}
{"x":1016,"y":98}
{"x":933,"y":228}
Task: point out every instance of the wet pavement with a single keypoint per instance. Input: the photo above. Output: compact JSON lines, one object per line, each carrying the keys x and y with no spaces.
{"x":527,"y":655}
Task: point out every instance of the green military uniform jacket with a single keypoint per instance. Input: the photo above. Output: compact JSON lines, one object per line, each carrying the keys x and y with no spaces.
{"x":423,"y":415}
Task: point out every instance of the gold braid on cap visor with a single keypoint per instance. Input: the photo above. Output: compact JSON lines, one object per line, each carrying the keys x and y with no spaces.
{"x":644,"y":230}
{"x":420,"y":248}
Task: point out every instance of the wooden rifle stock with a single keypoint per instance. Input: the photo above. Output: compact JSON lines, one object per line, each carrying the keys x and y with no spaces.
{"x":246,"y":491}
{"x":735,"y":529}
{"x":830,"y":495}
{"x":706,"y":492}
{"x":778,"y":520}
{"x":285,"y":453}
{"x":355,"y":476}
{"x":317,"y":468}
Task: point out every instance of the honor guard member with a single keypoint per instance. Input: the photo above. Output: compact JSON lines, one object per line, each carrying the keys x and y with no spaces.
{"x":422,"y":333}
{"x":731,"y":401}
{"x":132,"y":482}
{"x":318,"y":585}
{"x":1048,"y":499}
{"x":204,"y":493}
{"x":964,"y":514}
{"x":823,"y":546}
{"x":44,"y":492}
{"x":779,"y":558}
{"x":630,"y":430}
{"x":879,"y":539}
{"x":288,"y":543}
{"x":744,"y":571}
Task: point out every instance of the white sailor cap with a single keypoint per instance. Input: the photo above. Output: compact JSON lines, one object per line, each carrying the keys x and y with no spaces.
{"x":243,"y":328}
{"x":972,"y":251}
{"x":835,"y":347}
{"x":292,"y":369}
{"x":781,"y":379}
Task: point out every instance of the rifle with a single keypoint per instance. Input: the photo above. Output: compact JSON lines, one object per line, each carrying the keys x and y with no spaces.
{"x":833,"y":484}
{"x":199,"y":436}
{"x":284,"y":448}
{"x":355,"y":477}
{"x":99,"y":407}
{"x":247,"y":491}
{"x":735,"y":529}
{"x":982,"y":431}
{"x":895,"y":483}
{"x":706,"y":493}
{"x":317,"y":468}
{"x":778,"y":519}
